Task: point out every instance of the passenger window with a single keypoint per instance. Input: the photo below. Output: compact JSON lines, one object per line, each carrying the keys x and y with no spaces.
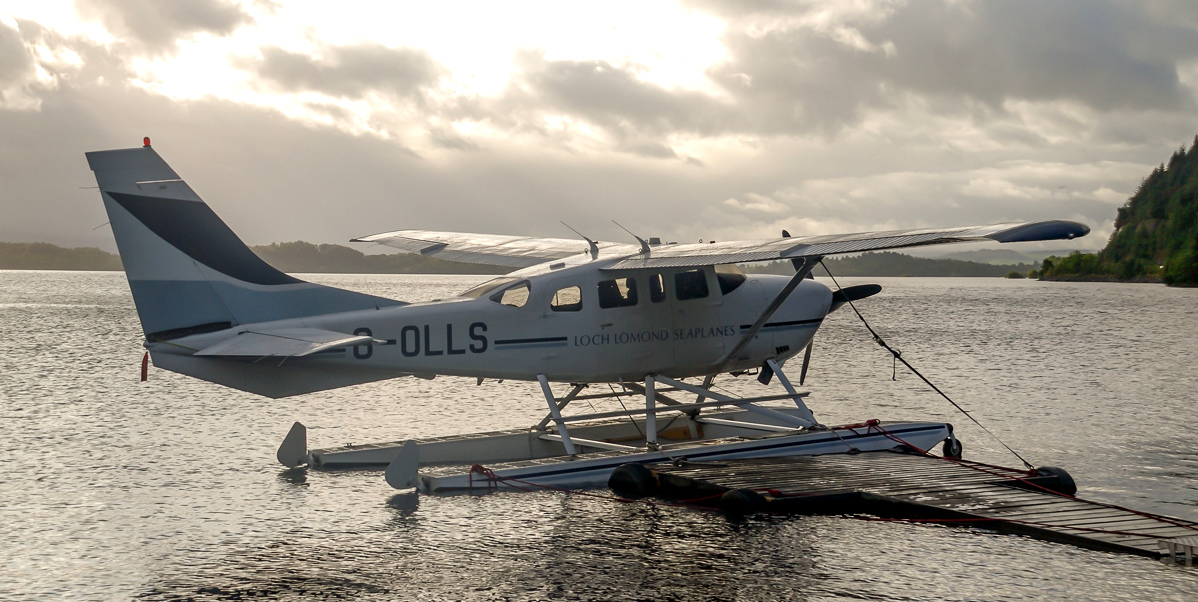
{"x":567,"y":299}
{"x":620,"y":292}
{"x":691,"y":284}
{"x":730,"y":277}
{"x":657,"y":288}
{"x":516,"y":295}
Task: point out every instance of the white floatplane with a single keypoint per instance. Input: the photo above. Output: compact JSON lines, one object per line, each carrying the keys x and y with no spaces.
{"x":644,"y":316}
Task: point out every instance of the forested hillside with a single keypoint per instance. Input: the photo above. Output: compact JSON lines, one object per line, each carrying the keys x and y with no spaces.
{"x":889,"y":263}
{"x":1156,"y":232}
{"x":45,"y":256}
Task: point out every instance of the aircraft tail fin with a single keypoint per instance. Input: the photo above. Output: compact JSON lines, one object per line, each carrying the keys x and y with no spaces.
{"x":189,"y":273}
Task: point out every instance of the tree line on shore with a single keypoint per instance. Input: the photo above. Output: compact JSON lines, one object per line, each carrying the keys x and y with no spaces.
{"x":304,"y":257}
{"x":1156,"y":232}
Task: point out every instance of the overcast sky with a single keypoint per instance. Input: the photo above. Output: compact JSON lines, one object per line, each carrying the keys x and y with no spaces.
{"x":705,"y":119}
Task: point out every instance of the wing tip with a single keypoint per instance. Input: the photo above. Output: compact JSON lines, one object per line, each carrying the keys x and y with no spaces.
{"x":1049,"y":230}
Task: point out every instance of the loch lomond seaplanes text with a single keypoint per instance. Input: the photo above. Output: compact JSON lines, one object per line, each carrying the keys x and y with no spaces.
{"x":650,"y":336}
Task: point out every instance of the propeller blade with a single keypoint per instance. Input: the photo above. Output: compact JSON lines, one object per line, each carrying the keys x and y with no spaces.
{"x":853,"y":293}
{"x":806,"y":362}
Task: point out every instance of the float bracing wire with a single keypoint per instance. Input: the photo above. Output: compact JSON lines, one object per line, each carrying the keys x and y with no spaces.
{"x":898,"y":356}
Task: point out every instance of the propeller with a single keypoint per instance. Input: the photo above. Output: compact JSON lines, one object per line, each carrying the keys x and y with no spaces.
{"x":806,"y":362}
{"x":839,"y":298}
{"x":853,"y":293}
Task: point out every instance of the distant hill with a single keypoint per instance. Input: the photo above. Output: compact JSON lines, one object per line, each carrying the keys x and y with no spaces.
{"x":888,"y":263}
{"x":45,"y":256}
{"x":289,"y":257}
{"x":1156,"y":232}
{"x":993,"y":256}
{"x":305,"y":257}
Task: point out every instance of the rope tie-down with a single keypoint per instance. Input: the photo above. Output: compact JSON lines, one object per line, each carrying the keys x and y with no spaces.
{"x":898,"y":356}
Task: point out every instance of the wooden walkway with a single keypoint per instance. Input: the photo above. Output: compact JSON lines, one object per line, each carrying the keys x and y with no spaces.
{"x":912,"y":486}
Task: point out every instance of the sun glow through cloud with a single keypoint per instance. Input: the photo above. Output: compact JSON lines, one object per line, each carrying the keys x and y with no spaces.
{"x":707,"y":118}
{"x":477,"y":44}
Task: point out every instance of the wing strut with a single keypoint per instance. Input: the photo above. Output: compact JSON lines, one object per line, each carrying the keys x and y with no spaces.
{"x":807,"y":264}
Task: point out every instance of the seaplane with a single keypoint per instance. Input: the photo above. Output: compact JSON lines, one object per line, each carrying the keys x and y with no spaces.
{"x":659,"y":322}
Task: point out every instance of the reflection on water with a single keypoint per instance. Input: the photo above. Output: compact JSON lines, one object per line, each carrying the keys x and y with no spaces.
{"x":294,"y":476}
{"x":169,"y":489}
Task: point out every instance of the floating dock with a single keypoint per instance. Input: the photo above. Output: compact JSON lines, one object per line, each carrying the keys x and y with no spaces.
{"x":910,"y":486}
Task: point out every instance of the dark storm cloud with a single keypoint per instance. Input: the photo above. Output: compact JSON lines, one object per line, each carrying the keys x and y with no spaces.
{"x":16,"y":64}
{"x":444,"y":138}
{"x":352,"y":71}
{"x":789,"y":73}
{"x":272,"y":179}
{"x":1104,"y":55}
{"x":928,"y":162}
{"x":158,"y":24}
{"x":1108,"y":56}
{"x":611,"y":96}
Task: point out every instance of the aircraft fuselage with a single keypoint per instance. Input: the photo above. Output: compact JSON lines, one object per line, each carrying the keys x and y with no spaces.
{"x":572,"y":321}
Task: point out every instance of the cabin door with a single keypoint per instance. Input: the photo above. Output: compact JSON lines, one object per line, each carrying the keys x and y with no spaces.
{"x":700,"y":333}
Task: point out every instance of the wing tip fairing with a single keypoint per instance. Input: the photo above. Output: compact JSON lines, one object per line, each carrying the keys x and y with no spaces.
{"x":1048,"y":230}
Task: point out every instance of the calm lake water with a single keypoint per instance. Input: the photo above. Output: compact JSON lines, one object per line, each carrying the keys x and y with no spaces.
{"x":168,"y":490}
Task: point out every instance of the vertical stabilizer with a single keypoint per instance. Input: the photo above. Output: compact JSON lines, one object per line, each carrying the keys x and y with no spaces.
{"x":189,"y":273}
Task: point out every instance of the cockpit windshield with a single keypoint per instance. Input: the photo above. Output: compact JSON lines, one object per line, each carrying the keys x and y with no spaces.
{"x":730,"y":277}
{"x":488,"y":286}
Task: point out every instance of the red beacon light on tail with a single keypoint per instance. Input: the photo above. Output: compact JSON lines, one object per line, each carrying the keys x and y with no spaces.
{"x":146,"y":141}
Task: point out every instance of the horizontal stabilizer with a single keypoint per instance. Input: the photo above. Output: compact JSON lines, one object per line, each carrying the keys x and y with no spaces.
{"x":282,"y":342}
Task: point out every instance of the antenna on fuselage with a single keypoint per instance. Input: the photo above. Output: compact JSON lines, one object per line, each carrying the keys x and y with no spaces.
{"x":594,"y":245}
{"x":644,"y":245}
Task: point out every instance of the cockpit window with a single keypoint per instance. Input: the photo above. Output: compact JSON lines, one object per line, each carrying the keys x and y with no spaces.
{"x":620,"y":292}
{"x":487,"y":287}
{"x":515,"y":295}
{"x":691,"y":284}
{"x":730,"y":277}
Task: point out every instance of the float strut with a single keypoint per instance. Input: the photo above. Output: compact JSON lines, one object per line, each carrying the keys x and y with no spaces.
{"x":651,"y":415}
{"x":561,"y":406}
{"x":557,"y":415}
{"x":807,"y":415}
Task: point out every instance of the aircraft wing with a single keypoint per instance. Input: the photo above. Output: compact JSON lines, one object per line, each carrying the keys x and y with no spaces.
{"x":282,"y":342}
{"x":813,"y":246}
{"x":524,"y":251}
{"x":490,"y":249}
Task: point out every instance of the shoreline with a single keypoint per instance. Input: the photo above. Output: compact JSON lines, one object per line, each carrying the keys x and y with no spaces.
{"x":1101,"y":278}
